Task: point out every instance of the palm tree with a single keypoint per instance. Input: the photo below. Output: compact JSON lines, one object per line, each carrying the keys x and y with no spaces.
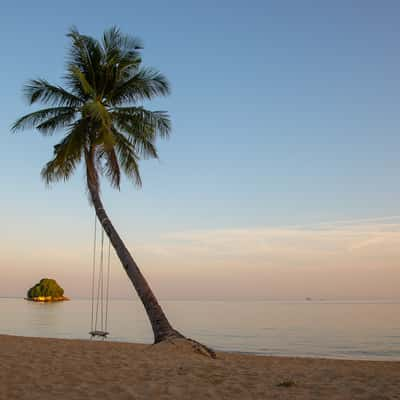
{"x":107,"y":129}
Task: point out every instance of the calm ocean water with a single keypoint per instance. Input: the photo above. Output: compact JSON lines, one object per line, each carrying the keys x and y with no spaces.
{"x":356,"y":330}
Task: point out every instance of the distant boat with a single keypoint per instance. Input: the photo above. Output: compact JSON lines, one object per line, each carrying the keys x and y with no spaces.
{"x":308,"y":299}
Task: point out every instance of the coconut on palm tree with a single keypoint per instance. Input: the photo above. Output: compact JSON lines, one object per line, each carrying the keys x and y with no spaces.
{"x":106,"y":129}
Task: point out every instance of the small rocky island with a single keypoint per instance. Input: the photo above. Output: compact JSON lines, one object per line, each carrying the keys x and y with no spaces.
{"x":47,"y":290}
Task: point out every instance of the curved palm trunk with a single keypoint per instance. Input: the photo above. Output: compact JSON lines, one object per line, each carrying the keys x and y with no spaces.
{"x":162,"y":329}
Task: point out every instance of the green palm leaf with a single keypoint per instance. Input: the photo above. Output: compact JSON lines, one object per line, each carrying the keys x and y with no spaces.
{"x":67,"y":154}
{"x":143,"y":119}
{"x":128,"y":159}
{"x":143,"y":85}
{"x":46,"y":120}
{"x":108,"y":164}
{"x":41,"y":90}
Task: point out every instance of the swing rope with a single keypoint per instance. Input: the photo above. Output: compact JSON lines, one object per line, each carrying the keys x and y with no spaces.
{"x":108,"y":284}
{"x":100,"y":297}
{"x":99,"y":286}
{"x":93,"y":270}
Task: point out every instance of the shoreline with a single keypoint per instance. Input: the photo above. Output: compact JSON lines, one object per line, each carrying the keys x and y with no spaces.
{"x":224,"y":351}
{"x":83,"y":368}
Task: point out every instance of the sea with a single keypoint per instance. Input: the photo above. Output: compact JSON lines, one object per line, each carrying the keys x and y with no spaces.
{"x":334,"y":329}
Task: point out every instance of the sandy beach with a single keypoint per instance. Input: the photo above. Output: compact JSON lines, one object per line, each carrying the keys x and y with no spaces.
{"x":36,"y":368}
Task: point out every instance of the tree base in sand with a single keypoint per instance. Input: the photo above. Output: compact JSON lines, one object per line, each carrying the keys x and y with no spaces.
{"x":186,"y":345}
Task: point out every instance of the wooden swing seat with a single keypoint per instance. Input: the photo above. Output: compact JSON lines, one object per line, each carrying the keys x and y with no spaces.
{"x":102,"y":334}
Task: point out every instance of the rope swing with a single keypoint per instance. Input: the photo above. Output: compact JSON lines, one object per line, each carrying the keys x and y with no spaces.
{"x":100,"y":287}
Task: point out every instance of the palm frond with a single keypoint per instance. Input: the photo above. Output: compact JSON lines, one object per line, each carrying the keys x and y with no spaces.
{"x":158,"y":121}
{"x":86,"y":55}
{"x":100,"y":116}
{"x":57,"y":122}
{"x":118,"y":46}
{"x":109,"y":166}
{"x":41,"y":90}
{"x":121,"y":59}
{"x":128,"y":159}
{"x":80,"y":79}
{"x":143,"y":85}
{"x":141,"y":140}
{"x":46,"y":120}
{"x":144,"y":147}
{"x":67,"y":154}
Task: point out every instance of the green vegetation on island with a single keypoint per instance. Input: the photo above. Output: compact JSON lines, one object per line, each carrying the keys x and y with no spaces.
{"x":46,"y":290}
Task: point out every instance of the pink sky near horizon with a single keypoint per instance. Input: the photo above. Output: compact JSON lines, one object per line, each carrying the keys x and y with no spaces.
{"x":336,"y":260}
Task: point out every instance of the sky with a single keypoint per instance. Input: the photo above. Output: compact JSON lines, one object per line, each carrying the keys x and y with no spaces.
{"x":280,"y":179}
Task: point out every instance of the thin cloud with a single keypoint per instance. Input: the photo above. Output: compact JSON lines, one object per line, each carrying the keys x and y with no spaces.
{"x":328,"y":238}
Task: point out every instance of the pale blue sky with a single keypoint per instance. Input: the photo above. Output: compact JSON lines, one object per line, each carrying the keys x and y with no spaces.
{"x":285,"y":113}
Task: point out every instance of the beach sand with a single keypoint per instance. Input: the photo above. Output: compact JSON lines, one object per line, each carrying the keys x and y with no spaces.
{"x":36,"y":368}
